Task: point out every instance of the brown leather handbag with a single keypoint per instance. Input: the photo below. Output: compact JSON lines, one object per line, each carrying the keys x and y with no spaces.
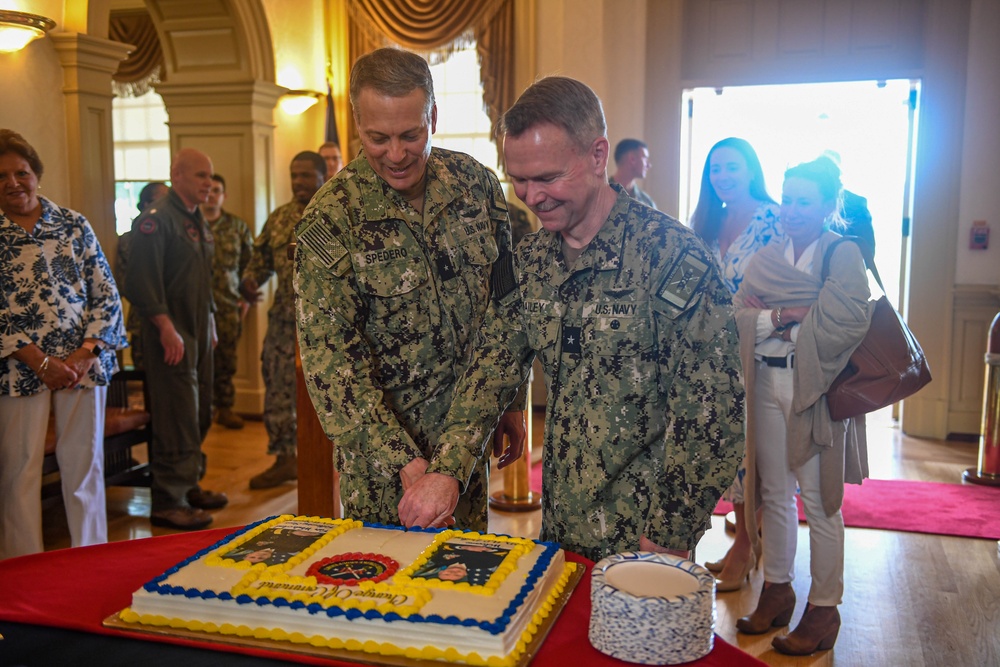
{"x":887,"y":367}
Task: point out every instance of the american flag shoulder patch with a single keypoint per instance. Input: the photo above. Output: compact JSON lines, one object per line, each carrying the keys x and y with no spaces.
{"x":319,"y":239}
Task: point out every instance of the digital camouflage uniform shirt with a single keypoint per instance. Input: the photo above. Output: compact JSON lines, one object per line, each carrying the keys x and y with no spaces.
{"x":644,"y":422}
{"x":270,"y":257}
{"x":390,"y":307}
{"x":233,"y":249}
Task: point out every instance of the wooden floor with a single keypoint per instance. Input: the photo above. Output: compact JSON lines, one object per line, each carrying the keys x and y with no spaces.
{"x":911,"y":600}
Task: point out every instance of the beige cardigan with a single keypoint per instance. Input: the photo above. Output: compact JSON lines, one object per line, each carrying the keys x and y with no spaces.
{"x":834,"y":326}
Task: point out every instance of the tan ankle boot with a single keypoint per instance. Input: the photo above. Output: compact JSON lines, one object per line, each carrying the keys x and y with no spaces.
{"x":284,"y":469}
{"x":774,"y":609}
{"x":816,"y":631}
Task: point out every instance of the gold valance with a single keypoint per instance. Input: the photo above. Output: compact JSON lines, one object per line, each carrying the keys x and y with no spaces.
{"x":143,"y":68}
{"x":438,"y":27}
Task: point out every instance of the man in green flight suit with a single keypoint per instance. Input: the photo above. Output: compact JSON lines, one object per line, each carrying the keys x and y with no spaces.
{"x":394,"y":264}
{"x":169,"y":282}
{"x":625,"y":310}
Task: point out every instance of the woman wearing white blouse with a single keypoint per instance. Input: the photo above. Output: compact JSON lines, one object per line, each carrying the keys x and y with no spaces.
{"x":798,"y":327}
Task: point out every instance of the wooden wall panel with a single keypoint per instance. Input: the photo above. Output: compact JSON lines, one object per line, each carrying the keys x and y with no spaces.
{"x":975,"y":308}
{"x":733,"y":42}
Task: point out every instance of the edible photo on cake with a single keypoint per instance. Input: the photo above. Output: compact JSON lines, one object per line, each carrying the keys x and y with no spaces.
{"x":276,"y":545}
{"x":464,"y":560}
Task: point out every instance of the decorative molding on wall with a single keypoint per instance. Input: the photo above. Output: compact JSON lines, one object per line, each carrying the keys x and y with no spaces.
{"x":87,"y":65}
{"x":974,"y":310}
{"x":213,"y":40}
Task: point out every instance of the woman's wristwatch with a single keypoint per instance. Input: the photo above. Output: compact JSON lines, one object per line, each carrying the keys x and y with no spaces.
{"x":94,"y":348}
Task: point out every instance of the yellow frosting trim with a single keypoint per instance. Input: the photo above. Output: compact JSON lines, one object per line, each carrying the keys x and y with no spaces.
{"x":341,"y":526}
{"x":504,"y":569}
{"x":372,"y":647}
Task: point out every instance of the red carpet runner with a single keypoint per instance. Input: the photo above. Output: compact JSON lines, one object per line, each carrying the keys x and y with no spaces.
{"x":961,"y":510}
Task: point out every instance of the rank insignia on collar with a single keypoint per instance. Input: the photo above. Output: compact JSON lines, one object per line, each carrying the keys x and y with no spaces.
{"x":680,"y":288}
{"x":446,"y":268}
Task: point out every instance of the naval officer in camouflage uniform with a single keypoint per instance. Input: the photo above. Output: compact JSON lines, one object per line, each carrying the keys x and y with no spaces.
{"x":169,"y":282}
{"x":270,"y":257}
{"x":633,"y":326}
{"x":233,"y":249}
{"x":393,"y":268}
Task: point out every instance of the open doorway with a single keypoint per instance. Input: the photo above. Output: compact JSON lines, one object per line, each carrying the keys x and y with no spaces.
{"x":870,"y":124}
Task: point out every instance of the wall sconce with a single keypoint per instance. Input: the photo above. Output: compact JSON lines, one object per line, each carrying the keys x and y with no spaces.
{"x":295,"y":102}
{"x":18,"y":29}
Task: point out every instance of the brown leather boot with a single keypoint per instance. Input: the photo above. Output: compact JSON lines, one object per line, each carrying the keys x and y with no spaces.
{"x":774,"y":609}
{"x":206,"y":500}
{"x":816,"y":631}
{"x":285,"y":469}
{"x":229,"y":419}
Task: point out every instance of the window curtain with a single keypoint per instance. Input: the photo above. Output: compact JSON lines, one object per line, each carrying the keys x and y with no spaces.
{"x":143,"y":68}
{"x":437,"y":26}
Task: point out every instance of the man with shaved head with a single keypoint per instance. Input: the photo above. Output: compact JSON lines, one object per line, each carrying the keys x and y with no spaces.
{"x":169,"y":282}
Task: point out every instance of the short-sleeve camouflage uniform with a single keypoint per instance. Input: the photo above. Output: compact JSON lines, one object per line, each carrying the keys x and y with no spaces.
{"x":270,"y":257}
{"x":644,"y":422}
{"x":390,"y":306}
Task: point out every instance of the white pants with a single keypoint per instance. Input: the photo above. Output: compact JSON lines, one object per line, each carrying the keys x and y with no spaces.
{"x":772,"y":406}
{"x":79,"y":421}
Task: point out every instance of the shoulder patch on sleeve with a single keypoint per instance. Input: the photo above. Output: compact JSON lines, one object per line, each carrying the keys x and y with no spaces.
{"x":320,"y":241}
{"x":681,"y":286}
{"x":499,"y":202}
{"x":148,"y":226}
{"x":502,"y":280}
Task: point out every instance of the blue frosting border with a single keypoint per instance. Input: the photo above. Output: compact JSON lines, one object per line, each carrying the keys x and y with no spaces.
{"x":494,"y":627}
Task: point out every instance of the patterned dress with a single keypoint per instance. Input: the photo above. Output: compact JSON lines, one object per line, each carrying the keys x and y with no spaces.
{"x":764,"y":228}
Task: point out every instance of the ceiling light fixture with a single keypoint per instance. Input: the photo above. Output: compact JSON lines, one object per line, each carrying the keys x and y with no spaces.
{"x":295,"y":102}
{"x":18,"y":29}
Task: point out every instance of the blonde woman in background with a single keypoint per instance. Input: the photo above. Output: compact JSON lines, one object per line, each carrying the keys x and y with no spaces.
{"x":800,"y":314}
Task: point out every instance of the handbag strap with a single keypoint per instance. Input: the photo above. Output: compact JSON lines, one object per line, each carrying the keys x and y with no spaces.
{"x":869,"y":263}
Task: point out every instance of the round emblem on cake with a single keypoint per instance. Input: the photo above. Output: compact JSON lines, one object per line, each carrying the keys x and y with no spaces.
{"x":353,"y":568}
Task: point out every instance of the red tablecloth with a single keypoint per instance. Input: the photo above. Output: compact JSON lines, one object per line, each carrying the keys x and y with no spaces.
{"x":78,"y":588}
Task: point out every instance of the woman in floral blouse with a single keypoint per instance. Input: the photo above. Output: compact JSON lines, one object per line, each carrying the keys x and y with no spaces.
{"x":60,"y":324}
{"x":735,"y":217}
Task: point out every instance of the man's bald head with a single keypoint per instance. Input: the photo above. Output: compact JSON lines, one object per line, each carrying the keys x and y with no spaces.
{"x":191,"y":177}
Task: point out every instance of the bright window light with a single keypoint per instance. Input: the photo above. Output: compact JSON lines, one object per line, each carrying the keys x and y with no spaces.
{"x":141,"y":151}
{"x":463,"y":124}
{"x":866,"y":122}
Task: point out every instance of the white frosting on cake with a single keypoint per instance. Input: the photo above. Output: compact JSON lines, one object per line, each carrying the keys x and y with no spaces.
{"x":177,"y":599}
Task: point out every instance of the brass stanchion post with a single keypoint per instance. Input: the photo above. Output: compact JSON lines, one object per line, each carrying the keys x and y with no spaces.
{"x":988,"y":471}
{"x":517,"y":495}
